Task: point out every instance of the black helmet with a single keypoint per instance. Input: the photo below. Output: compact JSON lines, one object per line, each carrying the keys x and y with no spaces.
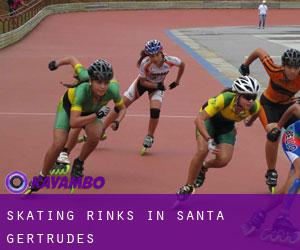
{"x":291,"y":58}
{"x":101,"y":70}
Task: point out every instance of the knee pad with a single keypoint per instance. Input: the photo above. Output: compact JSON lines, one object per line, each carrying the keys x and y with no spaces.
{"x":116,"y":109}
{"x":295,"y":186}
{"x":154,"y":113}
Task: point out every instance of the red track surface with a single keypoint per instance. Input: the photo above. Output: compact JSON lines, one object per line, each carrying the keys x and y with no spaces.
{"x":28,"y":87}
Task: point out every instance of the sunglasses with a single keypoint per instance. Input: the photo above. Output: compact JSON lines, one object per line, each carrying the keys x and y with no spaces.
{"x":249,"y":97}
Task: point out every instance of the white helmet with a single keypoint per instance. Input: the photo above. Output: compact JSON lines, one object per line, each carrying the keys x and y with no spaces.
{"x":246,"y":85}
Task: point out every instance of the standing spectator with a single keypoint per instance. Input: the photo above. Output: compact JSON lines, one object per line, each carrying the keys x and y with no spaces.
{"x":13,"y":5}
{"x":17,"y":4}
{"x":10,"y":6}
{"x":262,"y":8}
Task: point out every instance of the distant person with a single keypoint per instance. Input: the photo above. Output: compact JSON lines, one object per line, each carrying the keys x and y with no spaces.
{"x":262,"y":8}
{"x":10,"y":6}
{"x":13,"y":5}
{"x":17,"y":4}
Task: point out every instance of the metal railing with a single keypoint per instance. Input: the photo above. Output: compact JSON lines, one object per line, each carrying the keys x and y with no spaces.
{"x":22,"y":15}
{"x":16,"y":19}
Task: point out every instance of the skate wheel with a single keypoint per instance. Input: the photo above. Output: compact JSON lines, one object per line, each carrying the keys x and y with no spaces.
{"x":143,"y":151}
{"x":272,"y":190}
{"x":266,"y":235}
{"x":275,"y":237}
{"x":55,"y":171}
{"x":81,"y":139}
{"x":66,"y":171}
{"x":72,"y":190}
{"x":60,"y":169}
{"x":248,"y":229}
{"x":103,"y":137}
{"x":28,"y":191}
{"x":284,"y":239}
{"x":295,"y":238}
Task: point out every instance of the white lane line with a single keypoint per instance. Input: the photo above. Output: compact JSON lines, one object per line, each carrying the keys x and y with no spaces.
{"x":129,"y":115}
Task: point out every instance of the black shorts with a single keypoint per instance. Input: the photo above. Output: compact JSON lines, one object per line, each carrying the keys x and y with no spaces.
{"x":272,"y":112}
{"x":141,"y":89}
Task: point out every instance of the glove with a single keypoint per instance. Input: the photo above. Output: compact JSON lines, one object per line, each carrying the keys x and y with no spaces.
{"x":274,"y":134}
{"x":173,"y":85}
{"x":161,"y":86}
{"x":211,"y":145}
{"x":115,"y":125}
{"x":102,"y":112}
{"x":52,"y":65}
{"x":244,"y":70}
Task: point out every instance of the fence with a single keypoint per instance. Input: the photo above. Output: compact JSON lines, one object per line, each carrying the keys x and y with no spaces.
{"x":25,"y":13}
